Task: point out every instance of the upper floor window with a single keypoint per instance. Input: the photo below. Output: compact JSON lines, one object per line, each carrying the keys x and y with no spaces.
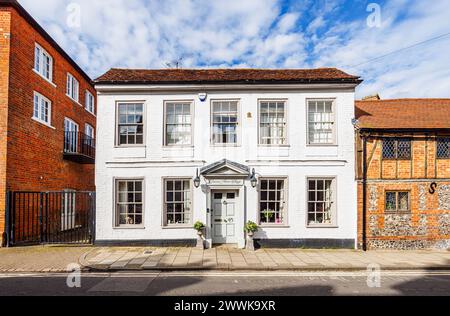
{"x":72,"y":87}
{"x":396,"y":148}
{"x":89,"y":138}
{"x":443,"y":148}
{"x":43,"y":63}
{"x":224,"y":122}
{"x":397,"y":201}
{"x":178,"y":123}
{"x":130,"y":124}
{"x":321,"y":122}
{"x":272,"y":201}
{"x":42,"y":110}
{"x":321,"y":202}
{"x":89,"y":100}
{"x":272,"y":123}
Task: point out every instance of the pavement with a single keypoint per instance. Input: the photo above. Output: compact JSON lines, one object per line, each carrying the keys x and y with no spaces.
{"x":114,"y":259}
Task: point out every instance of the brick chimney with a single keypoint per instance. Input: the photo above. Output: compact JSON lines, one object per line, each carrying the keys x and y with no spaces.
{"x":374,"y":97}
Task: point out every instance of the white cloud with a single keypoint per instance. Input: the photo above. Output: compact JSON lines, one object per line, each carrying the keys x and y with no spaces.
{"x":258,"y":33}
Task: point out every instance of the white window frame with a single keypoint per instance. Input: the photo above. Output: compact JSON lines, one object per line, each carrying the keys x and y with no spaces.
{"x":73,"y":145}
{"x":191,"y":107}
{"x":39,"y":65}
{"x":116,"y":217}
{"x":238,"y":123}
{"x":89,"y":102}
{"x":89,"y":128}
{"x":334,"y":215}
{"x":334,"y":115}
{"x":286,"y":130}
{"x":285,"y":180}
{"x":164,"y":200}
{"x":40,"y":99}
{"x":117,"y":127}
{"x":72,"y":88}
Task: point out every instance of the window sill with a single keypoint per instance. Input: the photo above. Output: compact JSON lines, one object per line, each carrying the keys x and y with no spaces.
{"x":93,"y":114}
{"x":43,"y":123}
{"x":275,"y":226}
{"x":225,"y":145}
{"x":40,"y":75}
{"x":274,"y":146}
{"x":178,"y":227}
{"x":130,"y":146}
{"x":175,"y":147}
{"x":322,"y":145}
{"x":75,"y":101}
{"x":129,"y":227}
{"x":397,"y":212}
{"x":322,"y":226}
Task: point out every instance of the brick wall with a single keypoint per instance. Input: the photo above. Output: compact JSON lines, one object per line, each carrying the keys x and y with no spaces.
{"x":35,"y":151}
{"x":5,"y":17}
{"x":427,"y":225}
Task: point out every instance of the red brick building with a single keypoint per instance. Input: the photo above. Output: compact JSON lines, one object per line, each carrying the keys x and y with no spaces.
{"x":403,"y":161}
{"x":47,"y":111}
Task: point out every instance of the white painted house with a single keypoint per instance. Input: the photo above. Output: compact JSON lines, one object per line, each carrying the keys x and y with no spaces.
{"x":271,"y":146}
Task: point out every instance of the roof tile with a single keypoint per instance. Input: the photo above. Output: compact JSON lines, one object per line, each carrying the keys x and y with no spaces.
{"x":404,"y":114}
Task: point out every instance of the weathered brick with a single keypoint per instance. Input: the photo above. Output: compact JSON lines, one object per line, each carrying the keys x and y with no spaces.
{"x":31,"y":154}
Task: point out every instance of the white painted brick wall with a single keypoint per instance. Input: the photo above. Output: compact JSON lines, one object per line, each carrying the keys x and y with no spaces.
{"x":153,"y":162}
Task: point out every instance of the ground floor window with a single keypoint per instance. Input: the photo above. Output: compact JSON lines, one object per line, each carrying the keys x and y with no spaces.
{"x":321,"y":204}
{"x":397,"y":201}
{"x":129,"y":202}
{"x":272,"y":201}
{"x":177,"y":202}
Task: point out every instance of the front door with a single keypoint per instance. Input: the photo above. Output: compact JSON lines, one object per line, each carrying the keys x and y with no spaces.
{"x":224,"y":205}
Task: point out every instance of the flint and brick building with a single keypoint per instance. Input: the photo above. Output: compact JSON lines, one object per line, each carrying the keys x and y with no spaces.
{"x":47,"y":111}
{"x":404,"y":180}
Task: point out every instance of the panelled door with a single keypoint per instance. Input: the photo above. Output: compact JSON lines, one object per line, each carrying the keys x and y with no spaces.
{"x":224,"y":205}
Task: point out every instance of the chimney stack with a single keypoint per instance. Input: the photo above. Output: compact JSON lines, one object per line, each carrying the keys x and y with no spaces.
{"x":374,"y":97}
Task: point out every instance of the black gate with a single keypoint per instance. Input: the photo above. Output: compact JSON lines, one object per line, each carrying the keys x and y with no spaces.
{"x":50,"y":218}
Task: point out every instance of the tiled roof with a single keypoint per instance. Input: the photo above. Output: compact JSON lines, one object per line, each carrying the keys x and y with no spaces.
{"x":216,"y":76}
{"x":404,"y":114}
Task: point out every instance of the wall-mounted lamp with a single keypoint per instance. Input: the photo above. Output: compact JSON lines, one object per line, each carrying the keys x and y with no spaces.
{"x":253,"y":179}
{"x":197,"y":180}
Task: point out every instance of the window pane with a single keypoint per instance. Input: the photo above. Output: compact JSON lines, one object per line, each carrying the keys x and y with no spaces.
{"x":391,"y":204}
{"x":403,"y":201}
{"x":320,"y":122}
{"x":404,"y":149}
{"x":129,"y":202}
{"x":320,"y":201}
{"x":443,"y":148}
{"x":389,"y":149}
{"x":271,"y":198}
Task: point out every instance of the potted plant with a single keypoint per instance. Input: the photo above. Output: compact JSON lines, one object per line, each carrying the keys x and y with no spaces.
{"x":250,"y":228}
{"x":199,"y":227}
{"x":268,"y":215}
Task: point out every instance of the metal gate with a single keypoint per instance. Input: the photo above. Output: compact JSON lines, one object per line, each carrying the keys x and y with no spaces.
{"x":65,"y":217}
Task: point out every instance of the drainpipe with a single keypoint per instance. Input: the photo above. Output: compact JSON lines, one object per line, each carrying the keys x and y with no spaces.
{"x":364,"y":197}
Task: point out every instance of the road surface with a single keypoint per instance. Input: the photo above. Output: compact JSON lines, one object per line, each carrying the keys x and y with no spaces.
{"x":229,"y":284}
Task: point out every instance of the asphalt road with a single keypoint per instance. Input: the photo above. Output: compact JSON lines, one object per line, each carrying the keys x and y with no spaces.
{"x":232,"y":284}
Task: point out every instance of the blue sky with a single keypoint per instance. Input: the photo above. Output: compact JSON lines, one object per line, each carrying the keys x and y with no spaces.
{"x":261,"y":34}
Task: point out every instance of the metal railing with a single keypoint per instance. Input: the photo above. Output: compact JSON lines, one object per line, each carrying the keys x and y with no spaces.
{"x":79,"y":143}
{"x":65,"y":217}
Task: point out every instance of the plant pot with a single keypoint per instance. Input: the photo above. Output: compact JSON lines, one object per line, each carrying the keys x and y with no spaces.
{"x":200,"y":241}
{"x":250,"y":245}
